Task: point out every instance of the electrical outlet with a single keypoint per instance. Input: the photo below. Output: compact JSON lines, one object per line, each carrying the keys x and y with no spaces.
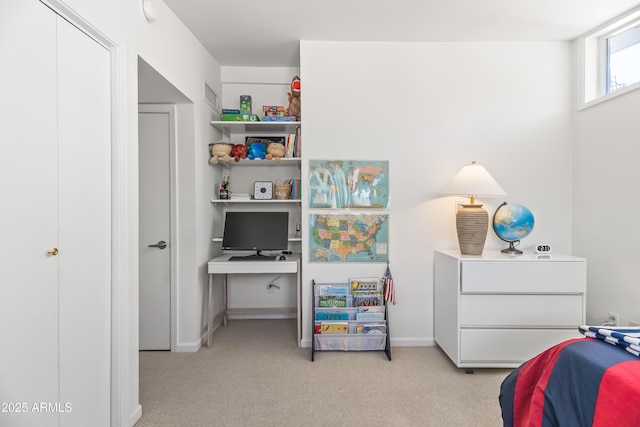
{"x":613,"y":318}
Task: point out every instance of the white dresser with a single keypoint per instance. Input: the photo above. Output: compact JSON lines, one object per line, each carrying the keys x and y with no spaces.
{"x":498,"y":310}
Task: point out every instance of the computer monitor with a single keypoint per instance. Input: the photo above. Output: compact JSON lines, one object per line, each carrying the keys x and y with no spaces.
{"x":256,"y":231}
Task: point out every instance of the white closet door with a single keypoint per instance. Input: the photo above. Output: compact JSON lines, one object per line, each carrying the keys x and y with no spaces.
{"x":55,"y":193}
{"x":28,"y":211}
{"x":84,"y":141}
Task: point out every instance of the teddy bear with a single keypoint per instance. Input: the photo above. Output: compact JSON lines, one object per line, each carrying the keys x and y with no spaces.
{"x":294,"y":98}
{"x":239,"y":151}
{"x":275,"y":151}
{"x":220,"y":150}
{"x":257,"y":150}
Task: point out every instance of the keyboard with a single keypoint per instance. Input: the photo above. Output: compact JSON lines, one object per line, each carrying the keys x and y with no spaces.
{"x":253,"y":258}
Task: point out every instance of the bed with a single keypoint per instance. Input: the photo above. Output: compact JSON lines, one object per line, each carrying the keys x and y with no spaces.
{"x":590,"y":381}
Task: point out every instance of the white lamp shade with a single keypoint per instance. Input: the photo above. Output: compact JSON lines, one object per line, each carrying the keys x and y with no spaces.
{"x":473,"y":180}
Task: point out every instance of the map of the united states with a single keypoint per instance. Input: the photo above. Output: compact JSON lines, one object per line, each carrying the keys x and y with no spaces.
{"x":349,"y":238}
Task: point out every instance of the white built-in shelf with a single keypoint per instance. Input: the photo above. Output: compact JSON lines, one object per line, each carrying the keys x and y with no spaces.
{"x":256,"y":127}
{"x":270,"y":201}
{"x":284,"y":161}
{"x":295,"y":238}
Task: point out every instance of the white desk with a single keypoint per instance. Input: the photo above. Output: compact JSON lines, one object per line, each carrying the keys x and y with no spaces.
{"x":222,"y":265}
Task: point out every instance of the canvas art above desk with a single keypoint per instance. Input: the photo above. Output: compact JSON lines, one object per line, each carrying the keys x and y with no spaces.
{"x":221,"y":265}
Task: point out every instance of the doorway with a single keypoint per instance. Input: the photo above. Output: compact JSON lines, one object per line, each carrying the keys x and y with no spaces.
{"x":161,"y":103}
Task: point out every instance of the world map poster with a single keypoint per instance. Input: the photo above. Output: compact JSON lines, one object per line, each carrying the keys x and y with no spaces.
{"x":341,"y":184}
{"x":349,"y":238}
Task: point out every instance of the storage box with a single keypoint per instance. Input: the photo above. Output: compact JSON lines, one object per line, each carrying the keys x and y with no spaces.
{"x":245,"y":104}
{"x":280,"y":119}
{"x":239,"y":118}
{"x":273,"y":110}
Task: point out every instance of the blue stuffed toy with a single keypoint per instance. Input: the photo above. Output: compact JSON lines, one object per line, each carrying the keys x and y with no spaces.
{"x":257,"y":150}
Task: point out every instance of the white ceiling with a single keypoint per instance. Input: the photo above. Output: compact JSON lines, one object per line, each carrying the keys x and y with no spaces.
{"x":267,"y":33}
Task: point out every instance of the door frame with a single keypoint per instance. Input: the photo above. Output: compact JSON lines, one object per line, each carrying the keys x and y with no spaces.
{"x":170,"y":109}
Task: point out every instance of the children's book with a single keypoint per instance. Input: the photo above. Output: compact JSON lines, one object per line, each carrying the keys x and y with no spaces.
{"x":332,"y":289}
{"x":374,"y":328}
{"x":366,"y":284}
{"x":370,"y":316}
{"x":334,"y":328}
{"x":366,"y":298}
{"x":371,"y":309}
{"x":332,"y":301}
{"x":333,"y":315}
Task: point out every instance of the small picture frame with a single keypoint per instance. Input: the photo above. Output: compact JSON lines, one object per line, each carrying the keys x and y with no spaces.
{"x":365,"y":284}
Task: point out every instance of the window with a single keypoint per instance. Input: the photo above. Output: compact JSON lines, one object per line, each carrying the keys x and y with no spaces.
{"x":623,"y":58}
{"x":611,"y":59}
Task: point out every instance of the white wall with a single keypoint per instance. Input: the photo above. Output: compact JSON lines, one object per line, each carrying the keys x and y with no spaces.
{"x":431,"y":108}
{"x":174,"y":52}
{"x":605,"y":205}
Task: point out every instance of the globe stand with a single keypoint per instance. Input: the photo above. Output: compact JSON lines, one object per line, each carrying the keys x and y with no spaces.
{"x":512,"y":249}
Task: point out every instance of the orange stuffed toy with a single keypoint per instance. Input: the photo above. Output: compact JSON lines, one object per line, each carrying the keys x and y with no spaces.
{"x":294,"y":98}
{"x":275,"y":150}
{"x":220,"y":151}
{"x":239,"y":151}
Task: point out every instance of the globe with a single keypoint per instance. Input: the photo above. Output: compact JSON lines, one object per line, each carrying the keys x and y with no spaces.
{"x":512,"y":222}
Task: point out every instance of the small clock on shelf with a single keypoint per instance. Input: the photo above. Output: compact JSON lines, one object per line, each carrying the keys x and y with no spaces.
{"x":263,"y":190}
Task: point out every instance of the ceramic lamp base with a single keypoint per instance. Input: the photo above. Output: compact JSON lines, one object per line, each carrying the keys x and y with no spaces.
{"x":472,"y":222}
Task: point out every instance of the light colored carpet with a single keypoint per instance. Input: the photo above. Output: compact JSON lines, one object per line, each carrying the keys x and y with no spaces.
{"x":255,"y":375}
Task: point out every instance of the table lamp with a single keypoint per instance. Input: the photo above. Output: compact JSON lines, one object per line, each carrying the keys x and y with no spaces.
{"x":472,"y":221}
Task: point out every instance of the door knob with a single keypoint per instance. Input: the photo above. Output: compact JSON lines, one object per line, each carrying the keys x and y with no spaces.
{"x":53,"y":252}
{"x":161,"y":244}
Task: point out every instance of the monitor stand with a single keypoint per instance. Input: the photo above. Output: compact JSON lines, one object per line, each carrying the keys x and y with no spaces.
{"x":255,"y":257}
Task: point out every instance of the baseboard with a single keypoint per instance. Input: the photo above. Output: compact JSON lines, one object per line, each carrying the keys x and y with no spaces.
{"x":262,"y":315}
{"x":189,"y":347}
{"x":135,"y":416}
{"x":412,"y":342}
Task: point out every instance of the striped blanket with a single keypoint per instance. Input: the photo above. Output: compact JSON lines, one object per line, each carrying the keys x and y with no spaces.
{"x":580,"y":382}
{"x":627,"y":338}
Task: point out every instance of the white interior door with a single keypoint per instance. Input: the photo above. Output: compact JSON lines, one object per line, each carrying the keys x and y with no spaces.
{"x":29,"y":213}
{"x":155,"y":130}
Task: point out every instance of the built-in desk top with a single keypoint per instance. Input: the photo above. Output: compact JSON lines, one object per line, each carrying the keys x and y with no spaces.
{"x":222,"y":265}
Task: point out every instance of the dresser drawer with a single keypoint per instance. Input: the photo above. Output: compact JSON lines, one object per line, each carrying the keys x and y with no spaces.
{"x":524,"y":276}
{"x":509,"y":345}
{"x":521,"y":310}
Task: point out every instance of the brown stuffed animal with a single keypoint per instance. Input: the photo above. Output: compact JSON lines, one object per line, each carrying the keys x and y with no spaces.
{"x":275,"y":150}
{"x":220,"y":150}
{"x":239,"y":151}
{"x":294,"y":98}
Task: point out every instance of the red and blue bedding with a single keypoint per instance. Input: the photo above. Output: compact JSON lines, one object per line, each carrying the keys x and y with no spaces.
{"x":580,"y":382}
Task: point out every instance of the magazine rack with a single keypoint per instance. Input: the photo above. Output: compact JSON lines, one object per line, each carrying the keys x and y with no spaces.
{"x":346,"y":320}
